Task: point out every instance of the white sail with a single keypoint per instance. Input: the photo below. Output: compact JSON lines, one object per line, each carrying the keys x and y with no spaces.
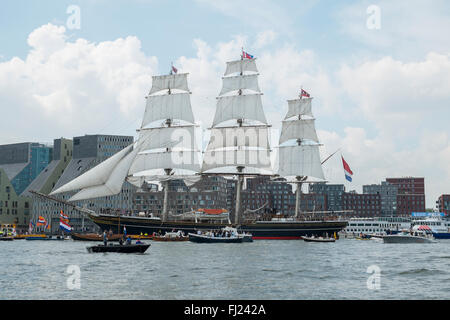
{"x":303,"y":160}
{"x":113,"y":185}
{"x":187,"y":160}
{"x":241,"y":66}
{"x":95,"y":176}
{"x":181,"y":137}
{"x":299,"y":107}
{"x":170,"y":106}
{"x":239,"y":107}
{"x":236,"y":158}
{"x":239,"y":137}
{"x":298,"y":129}
{"x":240,"y":82}
{"x":171,"y":81}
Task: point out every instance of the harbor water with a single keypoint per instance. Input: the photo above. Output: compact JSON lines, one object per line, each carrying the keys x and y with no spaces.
{"x":278,"y":270}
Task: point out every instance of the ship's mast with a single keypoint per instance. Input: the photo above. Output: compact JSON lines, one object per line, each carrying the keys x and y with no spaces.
{"x":301,"y":160}
{"x":231,"y":149}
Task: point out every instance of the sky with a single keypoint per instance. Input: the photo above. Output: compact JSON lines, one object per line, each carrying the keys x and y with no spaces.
{"x":379,"y":72}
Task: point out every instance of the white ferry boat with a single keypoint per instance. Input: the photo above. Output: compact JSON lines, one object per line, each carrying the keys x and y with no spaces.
{"x":375,"y":226}
{"x":433,"y":221}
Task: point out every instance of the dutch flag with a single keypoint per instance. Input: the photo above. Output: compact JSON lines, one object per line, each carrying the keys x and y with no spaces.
{"x":348,"y":172}
{"x":64,"y":226}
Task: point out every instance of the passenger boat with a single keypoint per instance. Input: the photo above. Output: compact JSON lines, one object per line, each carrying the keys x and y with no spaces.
{"x":225,"y":235}
{"x":318,"y":239}
{"x":125,"y":248}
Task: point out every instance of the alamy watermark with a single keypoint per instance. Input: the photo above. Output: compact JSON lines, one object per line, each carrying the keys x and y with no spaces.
{"x":373,"y":21}
{"x":374,"y":280}
{"x":73,"y":282}
{"x":74,"y":20}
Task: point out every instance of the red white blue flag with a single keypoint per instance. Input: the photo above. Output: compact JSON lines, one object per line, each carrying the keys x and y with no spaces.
{"x":348,"y":172}
{"x":246,"y":55}
{"x":64,"y":225}
{"x":174,"y":70}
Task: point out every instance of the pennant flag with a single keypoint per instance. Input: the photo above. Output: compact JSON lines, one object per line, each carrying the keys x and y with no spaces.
{"x":304,"y":94}
{"x":348,"y":172}
{"x":64,"y":225}
{"x":246,"y":55}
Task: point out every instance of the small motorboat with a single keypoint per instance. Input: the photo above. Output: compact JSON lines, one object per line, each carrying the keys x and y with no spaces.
{"x":39,"y":237}
{"x":318,"y":239}
{"x":225,"y":235}
{"x":124,"y":248}
{"x":6,"y":238}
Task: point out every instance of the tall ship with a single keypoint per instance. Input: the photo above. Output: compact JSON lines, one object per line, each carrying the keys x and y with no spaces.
{"x":239,"y":147}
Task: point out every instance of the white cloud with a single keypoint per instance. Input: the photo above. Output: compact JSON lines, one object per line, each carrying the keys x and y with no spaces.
{"x":71,"y":88}
{"x":408,"y":28}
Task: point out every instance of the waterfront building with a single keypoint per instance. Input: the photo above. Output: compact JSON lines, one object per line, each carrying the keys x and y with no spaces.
{"x":333,"y":193}
{"x":14,"y":209}
{"x":443,"y":204}
{"x":410,"y":194}
{"x":362,"y":205}
{"x":388,"y":196}
{"x":88,"y":151}
{"x":23,"y":162}
{"x":278,"y":197}
{"x":208,"y":193}
{"x":20,"y":164}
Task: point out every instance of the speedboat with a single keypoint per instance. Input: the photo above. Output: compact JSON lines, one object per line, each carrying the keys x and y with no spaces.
{"x":413,"y":236}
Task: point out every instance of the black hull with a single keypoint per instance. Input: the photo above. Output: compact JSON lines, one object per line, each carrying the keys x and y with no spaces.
{"x":286,"y":230}
{"x":202,"y":239}
{"x":131,"y":248}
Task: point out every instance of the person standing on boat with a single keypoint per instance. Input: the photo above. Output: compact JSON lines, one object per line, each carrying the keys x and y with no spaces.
{"x":105,"y":237}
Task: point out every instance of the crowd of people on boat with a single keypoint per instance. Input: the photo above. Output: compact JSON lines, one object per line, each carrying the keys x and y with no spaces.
{"x":218,"y":233}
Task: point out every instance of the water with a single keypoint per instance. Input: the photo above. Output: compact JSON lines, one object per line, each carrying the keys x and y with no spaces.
{"x":260,"y":270}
